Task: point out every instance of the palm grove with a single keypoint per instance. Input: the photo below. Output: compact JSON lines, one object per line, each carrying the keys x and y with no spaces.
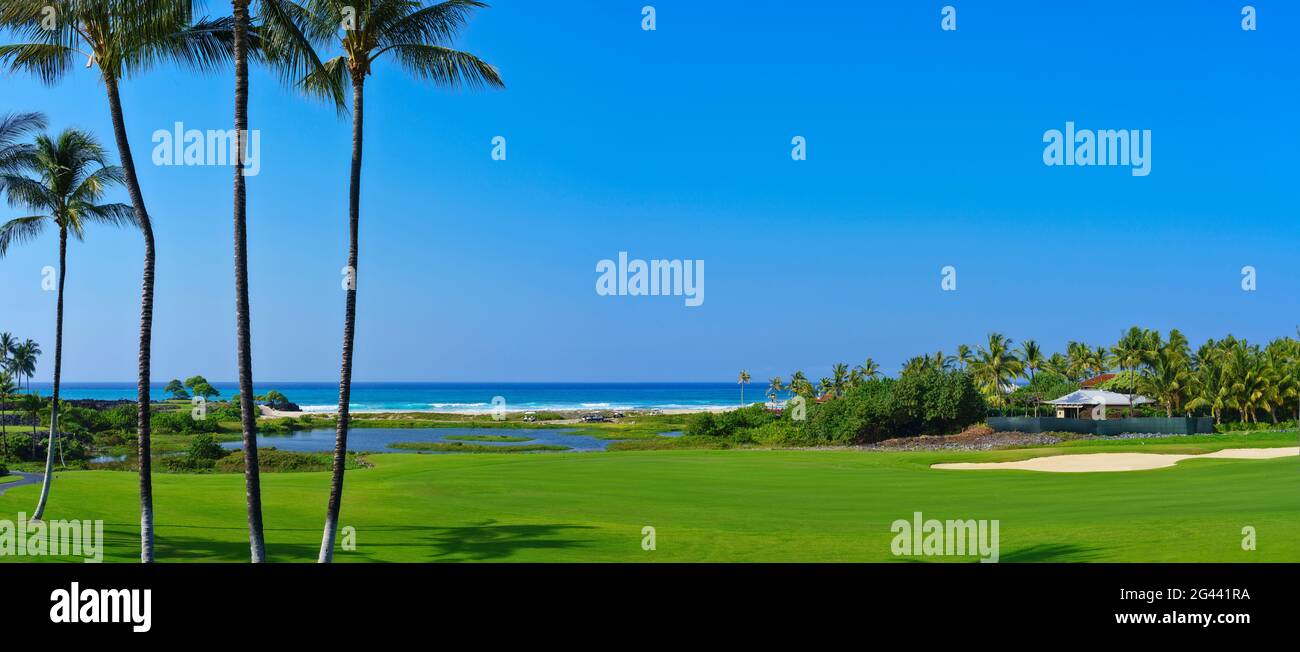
{"x":63,"y":178}
{"x":1230,"y":379}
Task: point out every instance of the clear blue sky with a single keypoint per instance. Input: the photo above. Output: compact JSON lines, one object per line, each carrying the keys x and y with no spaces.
{"x":924,"y":150}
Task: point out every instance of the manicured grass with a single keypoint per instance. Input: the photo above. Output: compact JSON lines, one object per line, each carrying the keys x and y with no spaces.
{"x":8,"y":478}
{"x":511,"y":438}
{"x":706,"y":505}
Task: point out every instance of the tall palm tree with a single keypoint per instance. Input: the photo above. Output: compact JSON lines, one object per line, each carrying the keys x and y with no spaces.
{"x":280,"y":41}
{"x":71,"y":175}
{"x":122,"y":38}
{"x":419,"y":37}
{"x":742,"y":380}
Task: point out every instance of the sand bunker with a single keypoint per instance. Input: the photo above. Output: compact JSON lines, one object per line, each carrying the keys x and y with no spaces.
{"x":1120,"y":461}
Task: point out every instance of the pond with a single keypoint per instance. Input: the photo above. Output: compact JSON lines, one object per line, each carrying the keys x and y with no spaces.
{"x":373,"y":440}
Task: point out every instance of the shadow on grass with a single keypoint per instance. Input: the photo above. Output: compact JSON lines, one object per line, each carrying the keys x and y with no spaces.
{"x":1050,"y":552}
{"x":486,"y":541}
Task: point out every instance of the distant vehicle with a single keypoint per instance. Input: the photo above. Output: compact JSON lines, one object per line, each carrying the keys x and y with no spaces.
{"x":618,"y":415}
{"x":589,"y":418}
{"x":530,"y":416}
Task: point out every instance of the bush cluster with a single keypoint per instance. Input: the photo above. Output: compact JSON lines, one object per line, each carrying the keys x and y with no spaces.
{"x":925,"y":403}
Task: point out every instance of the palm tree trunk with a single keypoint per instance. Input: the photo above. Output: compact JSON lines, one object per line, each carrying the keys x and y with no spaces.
{"x":349,"y":324}
{"x":146,"y":321}
{"x":58,"y":366}
{"x":248,"y":420}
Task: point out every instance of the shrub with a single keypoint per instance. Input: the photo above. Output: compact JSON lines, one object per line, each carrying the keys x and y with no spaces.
{"x":4,"y":470}
{"x":204,"y":447}
{"x":180,"y":422}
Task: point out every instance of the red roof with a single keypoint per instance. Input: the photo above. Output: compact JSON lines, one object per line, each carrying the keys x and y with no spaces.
{"x":1096,"y":380}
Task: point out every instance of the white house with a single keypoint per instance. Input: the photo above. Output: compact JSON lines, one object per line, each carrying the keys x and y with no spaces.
{"x":1094,"y":404}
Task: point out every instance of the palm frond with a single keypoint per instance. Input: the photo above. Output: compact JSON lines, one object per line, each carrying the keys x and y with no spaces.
{"x":48,"y":62}
{"x":207,"y":45}
{"x":20,"y":230}
{"x":286,"y":33}
{"x":110,"y":214}
{"x":432,"y":25}
{"x":444,"y":66}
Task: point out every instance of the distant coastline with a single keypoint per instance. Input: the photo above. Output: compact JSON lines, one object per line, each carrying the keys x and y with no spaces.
{"x":462,"y":398}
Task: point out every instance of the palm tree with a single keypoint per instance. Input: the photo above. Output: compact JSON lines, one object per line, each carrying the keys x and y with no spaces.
{"x":72,"y":175}
{"x":22,"y":360}
{"x":996,"y":366}
{"x":418,"y":37}
{"x":965,"y":356}
{"x":742,"y":381}
{"x":774,"y":388}
{"x":7,"y":388}
{"x":1032,"y":357}
{"x":839,"y":376}
{"x":799,"y":384}
{"x":1128,"y":353}
{"x":30,"y":405}
{"x":869,"y":370}
{"x":283,"y":44}
{"x":826,"y":387}
{"x":121,"y":39}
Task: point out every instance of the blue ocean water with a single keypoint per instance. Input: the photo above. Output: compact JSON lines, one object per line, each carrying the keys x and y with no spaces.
{"x":464,"y":397}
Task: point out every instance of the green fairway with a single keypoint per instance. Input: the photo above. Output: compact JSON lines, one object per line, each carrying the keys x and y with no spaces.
{"x":723,"y":505}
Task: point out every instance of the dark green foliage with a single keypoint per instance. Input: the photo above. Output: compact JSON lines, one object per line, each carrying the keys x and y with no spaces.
{"x":180,"y":422}
{"x":204,"y":447}
{"x":725,"y":424}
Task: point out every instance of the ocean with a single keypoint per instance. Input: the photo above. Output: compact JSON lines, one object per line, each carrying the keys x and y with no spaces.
{"x":463,"y":397}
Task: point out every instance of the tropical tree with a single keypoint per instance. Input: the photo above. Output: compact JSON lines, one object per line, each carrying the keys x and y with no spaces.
{"x":868,"y":370}
{"x":742,"y":380}
{"x":800,"y":386}
{"x":280,"y":39}
{"x":774,"y":388}
{"x":1032,"y":357}
{"x":839,"y":377}
{"x":1130,"y":352}
{"x":22,"y":360}
{"x":965,"y":355}
{"x":995,"y":367}
{"x":419,"y":38}
{"x":176,"y":389}
{"x":7,"y":389}
{"x":30,"y":406}
{"x":121,"y":38}
{"x":70,"y":176}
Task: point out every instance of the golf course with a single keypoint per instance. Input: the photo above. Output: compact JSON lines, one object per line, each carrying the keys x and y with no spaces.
{"x":757,"y":505}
